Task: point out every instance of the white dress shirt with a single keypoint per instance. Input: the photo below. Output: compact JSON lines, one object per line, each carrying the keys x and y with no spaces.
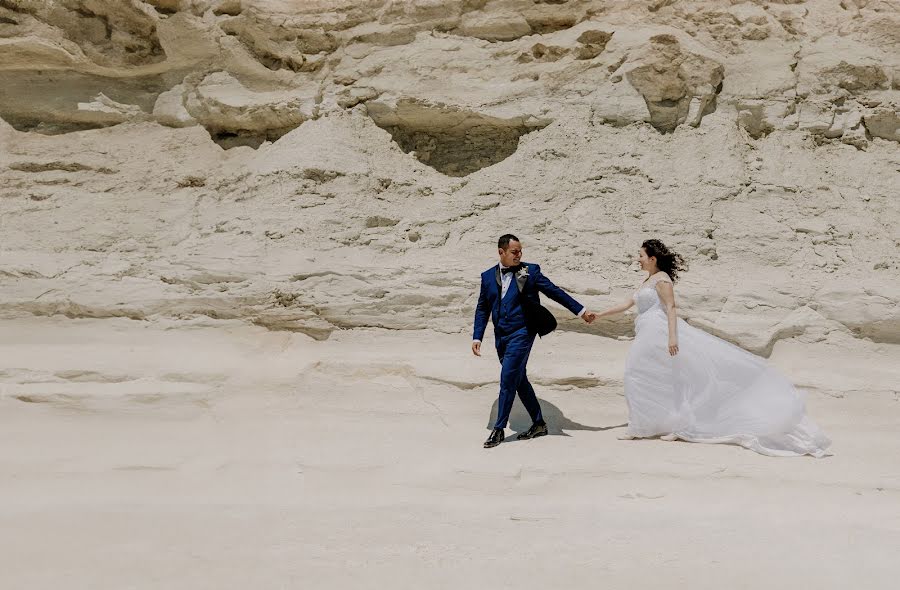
{"x":505,"y":280}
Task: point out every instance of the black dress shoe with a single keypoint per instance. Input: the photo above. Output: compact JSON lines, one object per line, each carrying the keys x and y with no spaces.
{"x":535,"y":431}
{"x":495,"y":438}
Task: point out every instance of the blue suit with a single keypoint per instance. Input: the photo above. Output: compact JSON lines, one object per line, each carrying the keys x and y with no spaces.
{"x":514,"y":331}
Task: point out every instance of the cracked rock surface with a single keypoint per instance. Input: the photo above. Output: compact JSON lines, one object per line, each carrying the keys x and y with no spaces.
{"x":332,"y":165}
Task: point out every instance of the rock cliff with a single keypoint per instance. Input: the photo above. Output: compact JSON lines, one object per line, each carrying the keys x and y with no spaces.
{"x":322,"y":165}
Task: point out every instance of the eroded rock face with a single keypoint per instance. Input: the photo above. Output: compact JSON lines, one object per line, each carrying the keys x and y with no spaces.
{"x":678,"y":87}
{"x":104,"y":33}
{"x":452,"y":141}
{"x":393,"y":141}
{"x":235,"y":115}
{"x":666,"y":64}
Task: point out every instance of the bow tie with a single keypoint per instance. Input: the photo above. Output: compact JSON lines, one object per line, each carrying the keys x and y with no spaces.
{"x":510,"y":269}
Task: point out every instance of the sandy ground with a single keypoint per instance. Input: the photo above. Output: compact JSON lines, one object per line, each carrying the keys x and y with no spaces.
{"x":138,"y":455}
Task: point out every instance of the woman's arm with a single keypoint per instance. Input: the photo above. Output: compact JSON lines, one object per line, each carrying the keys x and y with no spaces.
{"x":667,"y":296}
{"x":617,"y":309}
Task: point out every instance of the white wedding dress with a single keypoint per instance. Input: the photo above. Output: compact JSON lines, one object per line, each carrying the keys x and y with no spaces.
{"x":711,"y":391}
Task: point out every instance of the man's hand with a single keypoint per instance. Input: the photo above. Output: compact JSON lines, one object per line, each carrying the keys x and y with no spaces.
{"x":476,"y":348}
{"x":589,"y":316}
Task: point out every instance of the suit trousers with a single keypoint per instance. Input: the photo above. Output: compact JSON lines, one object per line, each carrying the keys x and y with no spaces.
{"x":513,"y":350}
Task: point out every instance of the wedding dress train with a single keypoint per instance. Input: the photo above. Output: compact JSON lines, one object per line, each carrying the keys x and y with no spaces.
{"x":711,"y":391}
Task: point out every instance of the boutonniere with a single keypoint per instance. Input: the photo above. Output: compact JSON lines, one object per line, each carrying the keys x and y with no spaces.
{"x":522,"y":272}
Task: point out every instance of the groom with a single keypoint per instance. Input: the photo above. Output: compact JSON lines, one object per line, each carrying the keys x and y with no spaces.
{"x":509,"y":293}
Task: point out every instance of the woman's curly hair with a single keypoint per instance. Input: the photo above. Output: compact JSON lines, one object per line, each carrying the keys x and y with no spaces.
{"x":668,"y":261}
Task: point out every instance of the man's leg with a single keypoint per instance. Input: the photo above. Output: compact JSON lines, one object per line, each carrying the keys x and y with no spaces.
{"x":529,"y":399}
{"x":513,"y":353}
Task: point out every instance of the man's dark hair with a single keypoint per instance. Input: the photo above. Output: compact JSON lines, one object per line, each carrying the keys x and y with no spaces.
{"x":505,"y":239}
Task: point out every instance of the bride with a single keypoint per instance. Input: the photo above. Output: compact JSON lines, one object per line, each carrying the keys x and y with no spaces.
{"x":682,"y":383}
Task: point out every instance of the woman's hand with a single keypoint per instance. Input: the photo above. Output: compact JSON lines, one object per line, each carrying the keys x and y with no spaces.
{"x":673,"y":346}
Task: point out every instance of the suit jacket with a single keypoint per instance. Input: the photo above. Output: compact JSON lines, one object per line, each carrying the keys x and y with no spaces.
{"x":530,"y":283}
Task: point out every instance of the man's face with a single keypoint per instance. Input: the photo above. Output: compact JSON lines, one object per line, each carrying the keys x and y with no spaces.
{"x":512,"y":254}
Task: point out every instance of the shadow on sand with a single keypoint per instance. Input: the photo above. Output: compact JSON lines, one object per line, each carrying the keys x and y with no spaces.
{"x":557,"y":423}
